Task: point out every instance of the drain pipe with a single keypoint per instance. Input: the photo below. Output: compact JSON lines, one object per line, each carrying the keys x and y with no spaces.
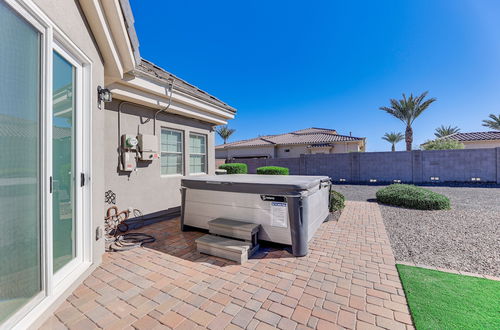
{"x":171,"y":87}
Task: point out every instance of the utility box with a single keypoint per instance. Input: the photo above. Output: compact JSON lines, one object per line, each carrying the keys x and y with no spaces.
{"x":129,"y":142}
{"x":148,"y":147}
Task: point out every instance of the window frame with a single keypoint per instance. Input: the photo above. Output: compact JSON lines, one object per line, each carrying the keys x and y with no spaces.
{"x":182,"y":152}
{"x":204,"y":154}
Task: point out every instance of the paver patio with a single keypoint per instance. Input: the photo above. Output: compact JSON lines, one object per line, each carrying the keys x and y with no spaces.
{"x":348,"y":280}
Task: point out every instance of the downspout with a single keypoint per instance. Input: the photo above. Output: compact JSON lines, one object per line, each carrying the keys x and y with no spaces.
{"x":166,"y":108}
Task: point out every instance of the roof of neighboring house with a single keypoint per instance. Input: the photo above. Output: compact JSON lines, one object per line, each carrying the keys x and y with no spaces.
{"x":474,"y":136}
{"x":153,"y":69}
{"x":311,"y":135}
{"x":25,"y":128}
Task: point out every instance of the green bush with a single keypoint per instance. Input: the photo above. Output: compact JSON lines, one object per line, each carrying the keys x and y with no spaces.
{"x":412,"y":197}
{"x":442,"y":145}
{"x":273,"y":170}
{"x":337,"y":201}
{"x":235,"y":168}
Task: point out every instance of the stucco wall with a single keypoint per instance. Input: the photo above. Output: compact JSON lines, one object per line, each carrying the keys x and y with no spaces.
{"x":146,"y":189}
{"x":68,"y":17}
{"x":251,"y":151}
{"x":481,"y":144}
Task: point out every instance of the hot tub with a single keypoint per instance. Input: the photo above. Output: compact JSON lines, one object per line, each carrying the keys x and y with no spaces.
{"x":289,"y":208}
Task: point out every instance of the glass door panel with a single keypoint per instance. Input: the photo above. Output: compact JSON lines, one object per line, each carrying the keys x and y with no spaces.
{"x":20,"y":175}
{"x":63,"y":162}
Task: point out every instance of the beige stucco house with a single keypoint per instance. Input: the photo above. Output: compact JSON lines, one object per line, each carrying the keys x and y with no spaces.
{"x":477,"y":140}
{"x":66,"y":145}
{"x":290,"y":145}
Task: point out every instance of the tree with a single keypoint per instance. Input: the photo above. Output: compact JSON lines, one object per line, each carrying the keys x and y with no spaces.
{"x":442,"y":144}
{"x":393,"y":138}
{"x":494,"y":123}
{"x":225,"y":132}
{"x":443,"y":131}
{"x":407,"y":110}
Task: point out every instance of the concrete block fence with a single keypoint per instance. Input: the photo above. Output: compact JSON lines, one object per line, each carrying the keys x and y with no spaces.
{"x":418,"y":166}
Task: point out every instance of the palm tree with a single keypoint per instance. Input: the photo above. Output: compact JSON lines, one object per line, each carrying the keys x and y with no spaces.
{"x":225,"y":132}
{"x":442,"y":131}
{"x":407,"y":110}
{"x":393,"y":138}
{"x":494,"y":123}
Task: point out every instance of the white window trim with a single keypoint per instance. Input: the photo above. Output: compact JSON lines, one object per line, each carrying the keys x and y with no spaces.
{"x":182,"y":153}
{"x":52,"y":37}
{"x":205,"y":154}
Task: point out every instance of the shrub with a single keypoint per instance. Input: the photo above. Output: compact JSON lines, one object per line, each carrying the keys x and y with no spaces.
{"x":442,"y":145}
{"x":337,"y":201}
{"x":273,"y":170}
{"x":412,"y":197}
{"x":235,"y":168}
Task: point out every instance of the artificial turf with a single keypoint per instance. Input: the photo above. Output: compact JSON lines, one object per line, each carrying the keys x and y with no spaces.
{"x":440,"y":300}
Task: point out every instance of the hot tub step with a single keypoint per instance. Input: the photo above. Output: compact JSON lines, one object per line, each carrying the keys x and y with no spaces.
{"x":233,"y":228}
{"x":226,"y":248}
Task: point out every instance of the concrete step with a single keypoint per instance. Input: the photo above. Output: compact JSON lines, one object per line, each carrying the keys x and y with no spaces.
{"x":233,"y":228}
{"x":226,"y":248}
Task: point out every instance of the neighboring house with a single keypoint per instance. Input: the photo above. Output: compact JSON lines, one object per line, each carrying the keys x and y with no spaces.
{"x":62,"y":146}
{"x":289,"y":145}
{"x":477,"y":140}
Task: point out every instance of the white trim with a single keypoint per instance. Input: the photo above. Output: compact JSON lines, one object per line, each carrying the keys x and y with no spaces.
{"x":198,"y":154}
{"x":182,"y":153}
{"x":148,"y":99}
{"x":52,"y":38}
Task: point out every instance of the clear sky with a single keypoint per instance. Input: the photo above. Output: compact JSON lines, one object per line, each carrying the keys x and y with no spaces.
{"x":287,"y":65}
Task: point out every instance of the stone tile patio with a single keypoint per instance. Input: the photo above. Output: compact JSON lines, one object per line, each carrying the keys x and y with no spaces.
{"x":348,"y":280}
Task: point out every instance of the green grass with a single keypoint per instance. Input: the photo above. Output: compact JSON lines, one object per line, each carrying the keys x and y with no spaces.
{"x":440,"y":300}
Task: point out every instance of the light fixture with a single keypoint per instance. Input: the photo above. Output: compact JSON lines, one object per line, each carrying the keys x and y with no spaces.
{"x":434,"y":178}
{"x":373,"y":180}
{"x":342,"y":180}
{"x":104,"y":94}
{"x":396,"y":181}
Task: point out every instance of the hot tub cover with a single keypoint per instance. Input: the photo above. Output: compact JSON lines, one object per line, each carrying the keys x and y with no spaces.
{"x":254,"y":182}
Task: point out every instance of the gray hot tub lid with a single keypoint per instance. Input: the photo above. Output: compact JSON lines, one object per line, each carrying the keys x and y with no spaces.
{"x":285,"y":183}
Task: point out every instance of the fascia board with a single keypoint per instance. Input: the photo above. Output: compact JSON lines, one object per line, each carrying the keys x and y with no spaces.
{"x":161,"y":91}
{"x":100,"y":29}
{"x":118,"y":29}
{"x":126,"y":93}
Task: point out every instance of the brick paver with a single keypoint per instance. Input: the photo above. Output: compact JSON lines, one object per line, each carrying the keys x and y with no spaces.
{"x":348,"y":280}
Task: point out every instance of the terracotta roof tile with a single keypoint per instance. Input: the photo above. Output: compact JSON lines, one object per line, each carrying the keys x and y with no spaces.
{"x":305,"y":136}
{"x":474,"y":136}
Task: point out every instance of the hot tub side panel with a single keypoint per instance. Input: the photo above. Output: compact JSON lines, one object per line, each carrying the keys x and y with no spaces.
{"x":202,"y":206}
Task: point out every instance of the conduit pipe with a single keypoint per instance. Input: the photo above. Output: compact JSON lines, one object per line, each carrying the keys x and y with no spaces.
{"x":166,"y":108}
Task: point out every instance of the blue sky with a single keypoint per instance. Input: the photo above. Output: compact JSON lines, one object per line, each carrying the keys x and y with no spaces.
{"x":287,"y":65}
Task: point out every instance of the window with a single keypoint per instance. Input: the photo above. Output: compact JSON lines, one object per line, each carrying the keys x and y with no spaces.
{"x":171,"y":152}
{"x":197,"y":153}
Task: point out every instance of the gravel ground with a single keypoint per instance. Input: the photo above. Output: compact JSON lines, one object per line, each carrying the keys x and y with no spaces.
{"x":465,"y":238}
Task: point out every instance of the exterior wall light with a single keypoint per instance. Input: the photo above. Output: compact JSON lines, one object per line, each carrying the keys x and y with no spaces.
{"x":434,"y":178}
{"x":396,"y":181}
{"x":342,"y":180}
{"x":475,"y":179}
{"x":104,"y":94}
{"x":373,"y":180}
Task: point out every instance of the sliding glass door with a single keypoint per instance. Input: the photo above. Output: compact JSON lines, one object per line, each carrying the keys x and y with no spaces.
{"x":42,"y":165}
{"x":20,"y":163}
{"x":63,"y":161}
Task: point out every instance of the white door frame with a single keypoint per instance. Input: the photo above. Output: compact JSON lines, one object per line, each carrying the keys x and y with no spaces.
{"x":52,"y":38}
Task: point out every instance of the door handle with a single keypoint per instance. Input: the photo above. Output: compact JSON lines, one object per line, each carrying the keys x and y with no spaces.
{"x":82,"y":179}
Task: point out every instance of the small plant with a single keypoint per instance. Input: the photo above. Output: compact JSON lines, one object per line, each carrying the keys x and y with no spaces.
{"x":235,"y":168}
{"x":442,"y":144}
{"x":337,"y":201}
{"x":273,"y":170}
{"x":412,"y":197}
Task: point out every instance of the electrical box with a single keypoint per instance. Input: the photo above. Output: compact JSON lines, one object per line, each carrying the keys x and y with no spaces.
{"x":128,"y":161}
{"x":129,"y":142}
{"x":148,"y":146}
